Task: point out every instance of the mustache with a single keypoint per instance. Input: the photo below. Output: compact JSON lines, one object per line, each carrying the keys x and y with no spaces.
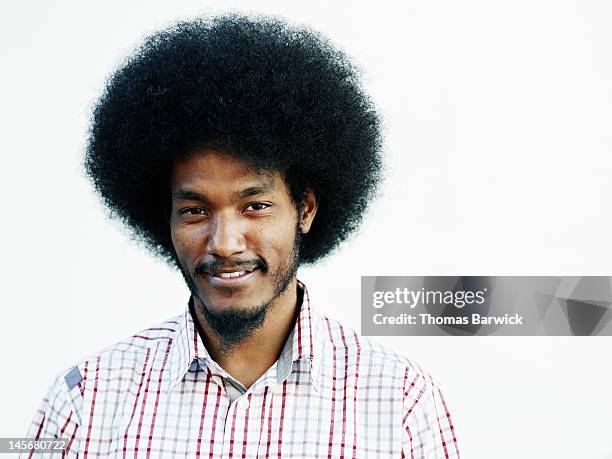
{"x":214,"y":265}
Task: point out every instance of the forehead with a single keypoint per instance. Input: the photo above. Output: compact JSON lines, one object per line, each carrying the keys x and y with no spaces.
{"x":211,"y":168}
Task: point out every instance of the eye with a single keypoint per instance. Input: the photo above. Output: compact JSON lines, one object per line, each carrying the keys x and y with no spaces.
{"x":256,"y":206}
{"x":193,"y":211}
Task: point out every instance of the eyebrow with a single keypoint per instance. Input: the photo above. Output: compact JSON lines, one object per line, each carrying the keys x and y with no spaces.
{"x":255,"y":190}
{"x":182,"y":193}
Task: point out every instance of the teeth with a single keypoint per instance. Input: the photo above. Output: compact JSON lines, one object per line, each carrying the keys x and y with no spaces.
{"x":234,"y":274}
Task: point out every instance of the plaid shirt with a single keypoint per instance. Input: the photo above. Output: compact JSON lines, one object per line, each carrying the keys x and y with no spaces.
{"x":331,"y":394}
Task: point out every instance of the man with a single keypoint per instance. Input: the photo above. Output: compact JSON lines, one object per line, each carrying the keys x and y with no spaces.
{"x":238,"y":148}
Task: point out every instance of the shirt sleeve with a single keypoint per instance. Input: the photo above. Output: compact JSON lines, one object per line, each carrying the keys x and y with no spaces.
{"x":428,"y":430}
{"x":58,"y":417}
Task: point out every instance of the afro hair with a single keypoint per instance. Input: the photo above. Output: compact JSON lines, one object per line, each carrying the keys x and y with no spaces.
{"x":276,"y":96}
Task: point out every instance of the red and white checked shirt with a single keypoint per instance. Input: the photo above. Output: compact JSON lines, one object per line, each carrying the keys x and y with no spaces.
{"x":331,"y":394}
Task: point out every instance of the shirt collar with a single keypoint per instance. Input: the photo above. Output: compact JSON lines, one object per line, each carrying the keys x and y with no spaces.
{"x":304,"y":343}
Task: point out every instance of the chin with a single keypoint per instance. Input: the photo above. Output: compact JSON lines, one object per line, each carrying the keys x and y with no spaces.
{"x":220,"y":305}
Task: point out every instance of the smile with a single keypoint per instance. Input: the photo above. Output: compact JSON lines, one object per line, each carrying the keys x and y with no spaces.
{"x":230,"y":278}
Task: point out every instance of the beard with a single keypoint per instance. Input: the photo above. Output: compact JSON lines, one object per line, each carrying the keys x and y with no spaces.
{"x":233,"y":325}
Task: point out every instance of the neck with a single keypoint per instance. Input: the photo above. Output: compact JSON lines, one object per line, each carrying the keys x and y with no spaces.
{"x":250,"y":358}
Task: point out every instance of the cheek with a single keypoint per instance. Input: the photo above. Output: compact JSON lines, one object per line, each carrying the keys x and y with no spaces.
{"x":274,"y":243}
{"x":186,"y":243}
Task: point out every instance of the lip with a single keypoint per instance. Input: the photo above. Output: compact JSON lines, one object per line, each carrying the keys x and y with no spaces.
{"x":230,"y":281}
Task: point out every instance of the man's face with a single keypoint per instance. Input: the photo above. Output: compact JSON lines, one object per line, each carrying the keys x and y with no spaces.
{"x":236,"y":236}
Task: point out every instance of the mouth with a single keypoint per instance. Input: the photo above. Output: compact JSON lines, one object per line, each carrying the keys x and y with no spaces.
{"x":230,"y":277}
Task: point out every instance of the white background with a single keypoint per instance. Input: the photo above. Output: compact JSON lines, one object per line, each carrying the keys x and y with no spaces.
{"x":498,"y":121}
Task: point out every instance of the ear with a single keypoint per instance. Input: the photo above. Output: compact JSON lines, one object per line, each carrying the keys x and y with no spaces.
{"x":308,"y":210}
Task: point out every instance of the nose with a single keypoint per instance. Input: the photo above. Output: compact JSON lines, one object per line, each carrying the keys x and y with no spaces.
{"x":226,"y":236}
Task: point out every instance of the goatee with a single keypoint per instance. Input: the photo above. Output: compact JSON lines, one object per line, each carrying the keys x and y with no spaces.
{"x":233,"y":325}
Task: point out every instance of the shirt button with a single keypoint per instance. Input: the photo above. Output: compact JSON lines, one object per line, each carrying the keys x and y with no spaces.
{"x":243,"y":402}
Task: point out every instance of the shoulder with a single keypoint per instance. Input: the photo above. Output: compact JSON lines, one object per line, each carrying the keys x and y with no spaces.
{"x":104,"y":377}
{"x":373,"y":357}
{"x":378,"y":366}
{"x":120,"y":362}
{"x":379,"y":369}
{"x":135,"y":348}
